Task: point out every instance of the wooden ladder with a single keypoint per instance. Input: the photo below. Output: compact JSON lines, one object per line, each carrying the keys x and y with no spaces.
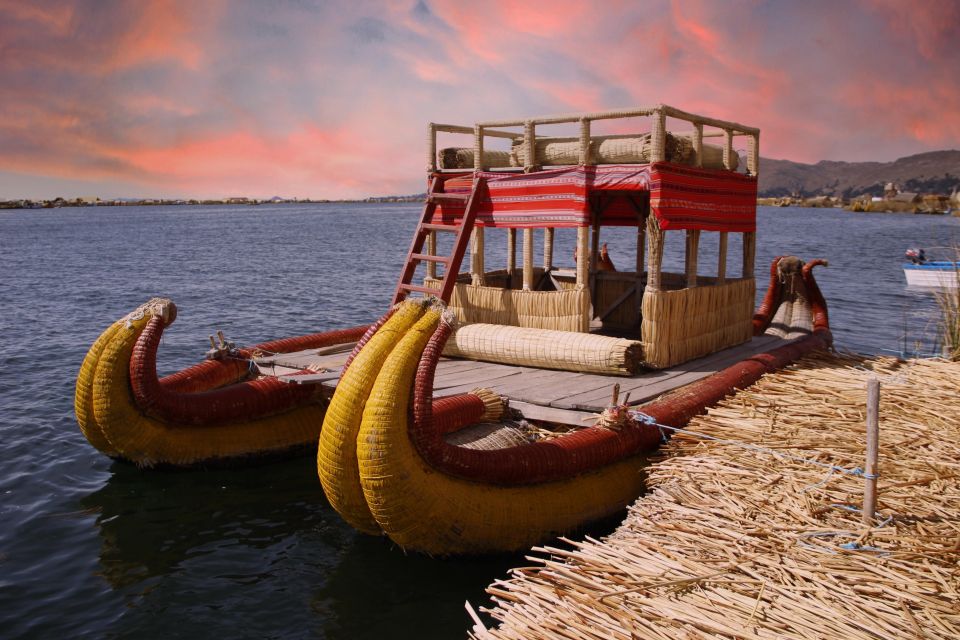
{"x":462,"y":228}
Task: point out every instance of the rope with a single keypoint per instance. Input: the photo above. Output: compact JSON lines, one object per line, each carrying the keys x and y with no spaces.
{"x":643,"y":418}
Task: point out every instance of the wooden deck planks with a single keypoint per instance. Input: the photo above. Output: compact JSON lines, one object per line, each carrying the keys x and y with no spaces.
{"x":561,"y":390}
{"x":646,"y":387}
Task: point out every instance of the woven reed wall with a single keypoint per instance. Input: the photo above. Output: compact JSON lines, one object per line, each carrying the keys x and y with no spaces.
{"x":545,"y":349}
{"x":557,"y":310}
{"x":683,"y":324}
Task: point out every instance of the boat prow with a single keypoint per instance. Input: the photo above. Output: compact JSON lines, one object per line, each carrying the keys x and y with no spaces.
{"x":216,"y":412}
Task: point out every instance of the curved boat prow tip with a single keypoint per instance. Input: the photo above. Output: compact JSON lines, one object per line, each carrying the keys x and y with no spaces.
{"x":209,"y":414}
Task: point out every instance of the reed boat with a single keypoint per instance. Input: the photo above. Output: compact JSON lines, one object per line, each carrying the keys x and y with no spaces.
{"x":490,"y":409}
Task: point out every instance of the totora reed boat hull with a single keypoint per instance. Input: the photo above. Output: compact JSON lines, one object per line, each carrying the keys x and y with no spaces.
{"x":210,"y":414}
{"x":386,"y":466}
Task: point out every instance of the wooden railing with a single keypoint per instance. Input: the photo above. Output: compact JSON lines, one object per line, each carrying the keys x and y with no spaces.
{"x":659,"y":114}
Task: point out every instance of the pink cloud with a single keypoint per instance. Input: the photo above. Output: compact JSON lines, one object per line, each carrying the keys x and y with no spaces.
{"x":202,"y":97}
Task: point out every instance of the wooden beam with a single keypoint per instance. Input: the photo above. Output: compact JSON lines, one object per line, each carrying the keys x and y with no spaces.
{"x":570,"y":417}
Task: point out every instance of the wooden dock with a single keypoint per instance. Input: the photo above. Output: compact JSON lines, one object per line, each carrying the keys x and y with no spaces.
{"x":539,"y":394}
{"x":734,"y":542}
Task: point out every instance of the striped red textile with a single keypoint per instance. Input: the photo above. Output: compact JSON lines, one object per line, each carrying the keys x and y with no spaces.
{"x":681,"y":197}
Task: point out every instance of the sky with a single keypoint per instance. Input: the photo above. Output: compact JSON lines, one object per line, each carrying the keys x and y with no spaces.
{"x":331,"y":99}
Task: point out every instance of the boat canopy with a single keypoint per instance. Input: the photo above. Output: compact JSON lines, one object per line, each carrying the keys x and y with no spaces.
{"x":681,"y":197}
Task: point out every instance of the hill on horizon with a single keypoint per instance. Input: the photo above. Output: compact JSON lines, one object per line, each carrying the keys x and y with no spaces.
{"x":930,"y":172}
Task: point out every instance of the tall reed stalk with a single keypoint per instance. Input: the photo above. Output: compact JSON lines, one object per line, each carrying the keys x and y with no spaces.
{"x":949,"y":302}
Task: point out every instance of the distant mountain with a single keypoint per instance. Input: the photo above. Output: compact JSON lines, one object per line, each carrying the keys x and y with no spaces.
{"x":932,"y":172}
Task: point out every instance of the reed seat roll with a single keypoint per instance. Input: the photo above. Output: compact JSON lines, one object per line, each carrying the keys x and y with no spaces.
{"x":546,"y":349}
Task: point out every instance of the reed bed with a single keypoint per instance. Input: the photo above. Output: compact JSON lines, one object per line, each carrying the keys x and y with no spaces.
{"x":738,"y":543}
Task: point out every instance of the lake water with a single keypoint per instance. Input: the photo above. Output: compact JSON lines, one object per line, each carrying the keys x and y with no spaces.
{"x":90,"y":547}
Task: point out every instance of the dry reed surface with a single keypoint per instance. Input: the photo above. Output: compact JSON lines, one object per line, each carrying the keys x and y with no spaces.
{"x":737,"y":543}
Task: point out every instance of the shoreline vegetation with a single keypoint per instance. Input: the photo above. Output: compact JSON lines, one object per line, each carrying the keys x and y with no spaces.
{"x":928,"y":204}
{"x":57,"y":203}
{"x":901,"y":203}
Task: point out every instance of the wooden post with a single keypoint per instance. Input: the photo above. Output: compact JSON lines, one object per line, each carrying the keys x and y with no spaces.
{"x":594,"y":261}
{"x":753,"y":155}
{"x":749,"y":254}
{"x":478,"y":149}
{"x":511,"y":255}
{"x":697,"y":140}
{"x":584,"y":141}
{"x":693,"y":246}
{"x":722,"y":259}
{"x":547,"y":249}
{"x":476,"y":264}
{"x":658,"y":135}
{"x":654,"y":253}
{"x":583,"y":246}
{"x":728,"y":149}
{"x":873,"y":448}
{"x":530,"y":143}
{"x":527,"y":259}
{"x":431,"y":148}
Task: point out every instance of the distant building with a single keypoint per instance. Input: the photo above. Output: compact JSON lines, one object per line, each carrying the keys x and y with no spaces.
{"x":908,"y":197}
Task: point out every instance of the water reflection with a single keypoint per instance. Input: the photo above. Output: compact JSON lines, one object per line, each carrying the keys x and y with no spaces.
{"x":378,"y":591}
{"x":150,"y":523}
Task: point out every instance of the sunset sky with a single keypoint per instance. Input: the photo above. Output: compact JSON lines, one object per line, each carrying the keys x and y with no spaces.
{"x":305,"y":98}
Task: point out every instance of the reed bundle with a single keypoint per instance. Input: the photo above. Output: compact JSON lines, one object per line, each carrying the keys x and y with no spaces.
{"x":734,"y":543}
{"x":684,"y":324}
{"x":616,"y":149}
{"x":948,"y":300}
{"x":462,"y":158}
{"x":564,"y":350}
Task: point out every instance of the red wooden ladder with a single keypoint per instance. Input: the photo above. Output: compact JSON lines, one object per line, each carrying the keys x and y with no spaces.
{"x":462,"y":228}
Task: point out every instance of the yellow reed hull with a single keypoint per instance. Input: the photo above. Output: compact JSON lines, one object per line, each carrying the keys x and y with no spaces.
{"x":111,"y":421}
{"x":424,"y":510}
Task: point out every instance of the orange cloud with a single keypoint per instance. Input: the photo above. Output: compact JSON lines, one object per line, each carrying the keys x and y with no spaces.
{"x":164,"y":31}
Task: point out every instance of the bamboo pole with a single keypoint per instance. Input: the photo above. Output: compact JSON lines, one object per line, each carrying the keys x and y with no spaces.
{"x":527,"y":259}
{"x":873,"y":448}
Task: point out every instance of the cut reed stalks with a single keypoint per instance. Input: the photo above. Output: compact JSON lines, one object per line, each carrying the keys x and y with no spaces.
{"x":739,"y":543}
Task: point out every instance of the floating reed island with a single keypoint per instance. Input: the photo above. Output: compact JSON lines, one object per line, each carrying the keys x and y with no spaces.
{"x":754,"y":528}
